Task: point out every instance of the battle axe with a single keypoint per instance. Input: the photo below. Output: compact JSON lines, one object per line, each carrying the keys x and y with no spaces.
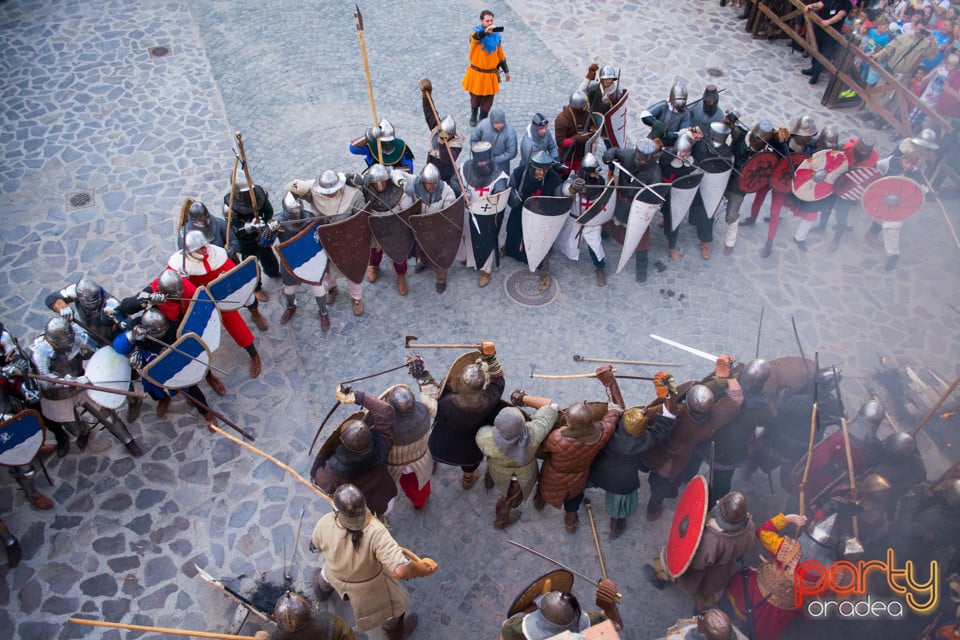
{"x":408,"y":339}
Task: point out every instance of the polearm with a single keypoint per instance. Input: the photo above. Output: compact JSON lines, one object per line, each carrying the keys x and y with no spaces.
{"x":643,"y":185}
{"x":933,"y":409}
{"x":615,"y":612}
{"x":246,"y":173}
{"x":446,"y":144}
{"x":846,"y":448}
{"x":559,"y":564}
{"x":796,"y":334}
{"x":813,"y":431}
{"x":230,"y":423}
{"x":233,"y":187}
{"x":759,"y":332}
{"x":83,"y":385}
{"x":165,"y":630}
{"x":358,"y":18}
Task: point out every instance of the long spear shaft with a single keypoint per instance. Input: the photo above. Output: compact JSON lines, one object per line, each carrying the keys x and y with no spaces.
{"x":446,"y":145}
{"x":166,"y":630}
{"x":230,"y":423}
{"x":358,"y":18}
{"x":579,"y":358}
{"x":559,"y":564}
{"x":934,"y":408}
{"x":233,"y":187}
{"x":184,"y":353}
{"x":81,"y":385}
{"x":246,"y":173}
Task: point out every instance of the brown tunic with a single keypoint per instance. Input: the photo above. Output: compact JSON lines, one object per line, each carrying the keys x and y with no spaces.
{"x":564,"y":472}
{"x":713,"y":563}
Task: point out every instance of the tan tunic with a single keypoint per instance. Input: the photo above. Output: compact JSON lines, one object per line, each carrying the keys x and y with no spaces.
{"x":363,"y":576}
{"x":502,"y":468}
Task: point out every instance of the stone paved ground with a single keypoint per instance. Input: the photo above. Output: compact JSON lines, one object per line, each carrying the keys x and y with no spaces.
{"x":86,"y":109}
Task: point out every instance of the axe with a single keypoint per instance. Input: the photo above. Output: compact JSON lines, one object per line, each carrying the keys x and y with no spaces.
{"x":408,"y":339}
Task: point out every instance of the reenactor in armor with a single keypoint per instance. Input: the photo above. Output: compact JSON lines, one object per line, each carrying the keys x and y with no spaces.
{"x":383,"y":191}
{"x":571,"y":449}
{"x":91,"y":305}
{"x":927,"y":522}
{"x":461,"y":413}
{"x":871,"y":505}
{"x":605,"y":93}
{"x":559,"y":611}
{"x":249,"y":227}
{"x":616,"y":469}
{"x":295,"y":218}
{"x":667,"y":117}
{"x":586,"y":186}
{"x":59,"y":352}
{"x":511,"y":446}
{"x":674,"y":165}
{"x":356,"y":546}
{"x":435,"y":194}
{"x":213,"y":227}
{"x":539,"y":178}
{"x":361,"y":456}
{"x":901,"y":464}
{"x":745,"y":146}
{"x":712,"y":624}
{"x":707,"y":110}
{"x":395,"y":152}
{"x":445,"y":142}
{"x":712,"y":145}
{"x":641,"y":162}
{"x":483,"y":179}
{"x":860,"y":154}
{"x":537,"y":137}
{"x":827,"y":139}
{"x":573,"y":127}
{"x":297,"y":619}
{"x":202,"y":263}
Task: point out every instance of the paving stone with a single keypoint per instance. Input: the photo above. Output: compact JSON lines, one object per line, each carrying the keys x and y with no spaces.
{"x":60,"y":606}
{"x":110,"y":546}
{"x":103,"y":584}
{"x":60,"y":577}
{"x":117,"y":502}
{"x":149,"y":497}
{"x":115,"y":609}
{"x":141,"y":524}
{"x":123,"y":563}
{"x":158,"y":570}
{"x":30,"y":597}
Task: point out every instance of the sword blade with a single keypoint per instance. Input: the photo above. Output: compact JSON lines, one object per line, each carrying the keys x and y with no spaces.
{"x":678,"y":345}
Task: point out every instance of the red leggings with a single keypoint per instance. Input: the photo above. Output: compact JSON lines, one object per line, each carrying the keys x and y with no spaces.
{"x":411,"y":488}
{"x":776,"y":204}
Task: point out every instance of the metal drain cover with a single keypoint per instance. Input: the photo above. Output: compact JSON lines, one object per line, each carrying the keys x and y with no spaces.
{"x":80,"y":200}
{"x":523,"y":287}
{"x":159,"y":52}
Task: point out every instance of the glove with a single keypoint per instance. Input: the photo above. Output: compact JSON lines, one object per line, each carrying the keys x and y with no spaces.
{"x":66,"y":313}
{"x":372,"y":134}
{"x":663,"y":383}
{"x":261,"y":635}
{"x":157,"y":298}
{"x":139,"y":332}
{"x":273,"y":225}
{"x":516,"y":398}
{"x":425,"y":85}
{"x":578,"y":185}
{"x":30,"y":392}
{"x":608,"y":156}
{"x":428,"y":566}
{"x":415,"y":366}
{"x":353,"y":179}
{"x":732,"y":117}
{"x":605,"y":375}
{"x":724,"y":362}
{"x":78,"y":379}
{"x":487,"y":348}
{"x":659,"y":143}
{"x":658,"y":129}
{"x":606,"y":593}
{"x":782,"y":134}
{"x":581,"y":137}
{"x":11,"y":371}
{"x":345,"y":395}
{"x":592,"y":71}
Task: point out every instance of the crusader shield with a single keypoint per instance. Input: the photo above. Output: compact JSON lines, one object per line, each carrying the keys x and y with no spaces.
{"x":439,"y":233}
{"x":347,"y":244}
{"x":303,"y":255}
{"x":781,"y":180}
{"x":393,"y":232}
{"x":615,"y":122}
{"x":852,"y":184}
{"x":714,"y":183}
{"x":182,"y":364}
{"x":813,"y":180}
{"x":595,"y":140}
{"x":109,"y":369}
{"x":542,"y":219}
{"x":686,"y":529}
{"x":484,"y":218}
{"x":233,"y":288}
{"x":598,"y":211}
{"x":203,"y":319}
{"x":558,"y":580}
{"x":682,"y":192}
{"x":453,"y":375}
{"x":892,"y":199}
{"x":21,"y":437}
{"x":645,"y":205}
{"x":756,"y":172}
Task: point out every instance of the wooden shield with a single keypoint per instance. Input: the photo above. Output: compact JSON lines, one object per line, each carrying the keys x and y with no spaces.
{"x":233,"y":288}
{"x":597,"y":212}
{"x":852,"y":184}
{"x":303,"y":255}
{"x":558,"y":580}
{"x":686,"y":529}
{"x":615,"y":122}
{"x":682,"y":192}
{"x":203,"y":319}
{"x":892,"y":199}
{"x":781,"y":179}
{"x":453,"y":375}
{"x":813,"y":180}
{"x":108,"y":369}
{"x":645,"y":205}
{"x":21,"y":437}
{"x":182,"y":364}
{"x":394,"y":233}
{"x":713,"y":184}
{"x":756,"y":172}
{"x":439,"y":233}
{"x":542,"y":219}
{"x":347,"y":244}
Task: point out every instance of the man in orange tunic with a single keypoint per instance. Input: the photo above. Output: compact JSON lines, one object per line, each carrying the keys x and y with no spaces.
{"x":482,"y":79}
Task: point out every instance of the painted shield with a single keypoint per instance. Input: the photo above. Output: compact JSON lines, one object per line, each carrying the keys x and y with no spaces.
{"x":682,"y":192}
{"x":594,"y":143}
{"x":203,"y":319}
{"x":439,"y":233}
{"x":892,"y":199}
{"x":453,"y":375}
{"x":598,"y":211}
{"x":781,"y":180}
{"x":107,"y":368}
{"x":615,"y":122}
{"x":182,"y":364}
{"x":687,"y":527}
{"x":756,"y":172}
{"x":21,"y":437}
{"x":303,"y":255}
{"x":484,"y":216}
{"x":852,"y":184}
{"x":394,"y":233}
{"x":644,"y":206}
{"x":813,"y":180}
{"x":543,"y":218}
{"x":347,"y":244}
{"x":233,"y":288}
{"x":714,"y":183}
{"x":559,"y":580}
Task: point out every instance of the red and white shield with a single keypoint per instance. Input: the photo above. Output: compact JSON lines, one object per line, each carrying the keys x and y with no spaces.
{"x":814,"y":178}
{"x":781,"y":180}
{"x":892,"y":199}
{"x":615,"y":122}
{"x":852,"y":184}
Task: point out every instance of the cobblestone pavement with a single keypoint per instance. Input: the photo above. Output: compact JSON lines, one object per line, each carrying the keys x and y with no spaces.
{"x":101,"y":143}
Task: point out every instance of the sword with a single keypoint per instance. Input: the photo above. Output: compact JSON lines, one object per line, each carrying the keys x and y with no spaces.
{"x":643,"y":185}
{"x":678,"y":345}
{"x":559,"y":564}
{"x":759,"y":331}
{"x":800,"y":345}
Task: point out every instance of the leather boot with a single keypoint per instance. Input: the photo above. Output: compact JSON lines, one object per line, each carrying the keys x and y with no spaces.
{"x":373,"y":271}
{"x":133,"y":448}
{"x":324,"y":322}
{"x":617,"y":525}
{"x":481,"y":115}
{"x":216,"y":384}
{"x":358,"y":307}
{"x":255,"y":365}
{"x":601,"y":277}
{"x":705,"y":250}
{"x":162,"y":405}
{"x":469,"y":479}
{"x":641,"y":266}
{"x":473,"y":116}
{"x":40,"y":501}
{"x":504,"y":520}
{"x":12,"y":546}
{"x":570,"y":521}
{"x":543,"y":282}
{"x":331,"y":295}
{"x":484,"y":279}
{"x":47,"y":449}
{"x":63,"y":440}
{"x":402,"y":284}
{"x":133,"y":409}
{"x":767,"y":249}
{"x":287,"y":314}
{"x":258,"y":319}
{"x":401,"y":627}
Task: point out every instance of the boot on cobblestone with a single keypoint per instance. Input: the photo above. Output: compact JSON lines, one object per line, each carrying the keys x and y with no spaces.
{"x":256,"y":366}
{"x":402,"y":284}
{"x":133,"y":448}
{"x":162,"y":405}
{"x":570,"y":521}
{"x":617,"y":525}
{"x":12,"y":546}
{"x":767,"y":249}
{"x":484,"y":279}
{"x":216,"y":384}
{"x":332,"y":294}
{"x":41,"y":501}
{"x":258,"y":318}
{"x":401,"y":627}
{"x":373,"y":271}
{"x":601,"y":277}
{"x":358,"y":307}
{"x":504,"y":520}
{"x":324,"y":322}
{"x":133,"y":409}
{"x":288,"y":313}
{"x":469,"y":479}
{"x":473,"y":116}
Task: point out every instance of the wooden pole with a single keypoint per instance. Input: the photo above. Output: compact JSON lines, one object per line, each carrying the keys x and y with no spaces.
{"x":596,"y":541}
{"x":446,"y":145}
{"x":358,"y":18}
{"x":850,"y":472}
{"x":233,"y":187}
{"x":167,"y":630}
{"x":246,"y":173}
{"x":91,"y":387}
{"x":933,"y":409}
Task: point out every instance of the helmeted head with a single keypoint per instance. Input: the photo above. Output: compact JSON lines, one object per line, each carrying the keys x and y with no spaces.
{"x":376,"y":178}
{"x":540,"y":162}
{"x":731,"y":511}
{"x":498,"y":119}
{"x":718,"y":133}
{"x":59,"y":334}
{"x":699,"y":401}
{"x":644,"y":153}
{"x":607,"y":75}
{"x":330,"y":182}
{"x":589,"y":166}
{"x":510,"y":434}
{"x":559,"y":611}
{"x":863,"y":147}
{"x":472,"y":378}
{"x":828,"y":377}
{"x":291,"y":612}
{"x":170,"y":284}
{"x":900,"y":446}
{"x":755,"y":375}
{"x":829,"y":138}
{"x":578,"y":100}
{"x":198,"y":214}
{"x":579,"y":421}
{"x":635,"y":421}
{"x":874,"y":490}
{"x":678,"y":96}
{"x":351,"y":507}
{"x":714,"y":624}
{"x":540,"y":124}
{"x":711,"y":99}
{"x":292,"y":206}
{"x":155,"y":323}
{"x":402,"y":400}
{"x":684,"y":148}
{"x":951,"y":493}
{"x":482,"y":157}
{"x":926,"y":140}
{"x":873,"y":414}
{"x":803,"y":128}
{"x":387,"y":132}
{"x":89,"y":295}
{"x":355,"y":436}
{"x":760,"y":135}
{"x":195,"y":244}
{"x":430,"y":177}
{"x":448,"y":128}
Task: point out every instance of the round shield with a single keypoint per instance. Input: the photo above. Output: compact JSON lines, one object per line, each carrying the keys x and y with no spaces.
{"x":687,"y":527}
{"x":110,"y":370}
{"x":453,"y":375}
{"x":559,"y":580}
{"x":813,"y":180}
{"x":892,"y":199}
{"x":782,"y":178}
{"x":852,"y":184}
{"x":755,"y":174}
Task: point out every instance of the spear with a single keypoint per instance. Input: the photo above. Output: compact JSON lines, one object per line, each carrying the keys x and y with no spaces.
{"x":233,"y":187}
{"x":81,"y":385}
{"x":446,"y":144}
{"x":166,"y":630}
{"x":358,"y":18}
{"x":246,"y":173}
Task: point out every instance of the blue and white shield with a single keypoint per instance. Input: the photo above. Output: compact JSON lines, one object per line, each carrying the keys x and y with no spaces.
{"x":232,"y":289}
{"x":203,"y":319}
{"x":20,"y":438}
{"x":303,"y":255}
{"x":182,"y":364}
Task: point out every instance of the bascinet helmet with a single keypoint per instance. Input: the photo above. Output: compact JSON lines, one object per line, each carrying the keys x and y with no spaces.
{"x":59,"y":333}
{"x":89,"y":295}
{"x":155,"y":323}
{"x":355,"y":436}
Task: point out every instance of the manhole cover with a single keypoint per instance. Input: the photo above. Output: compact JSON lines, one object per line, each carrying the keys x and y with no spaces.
{"x":523,"y":287}
{"x":80,"y":200}
{"x":713,"y":72}
{"x":159,"y":52}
